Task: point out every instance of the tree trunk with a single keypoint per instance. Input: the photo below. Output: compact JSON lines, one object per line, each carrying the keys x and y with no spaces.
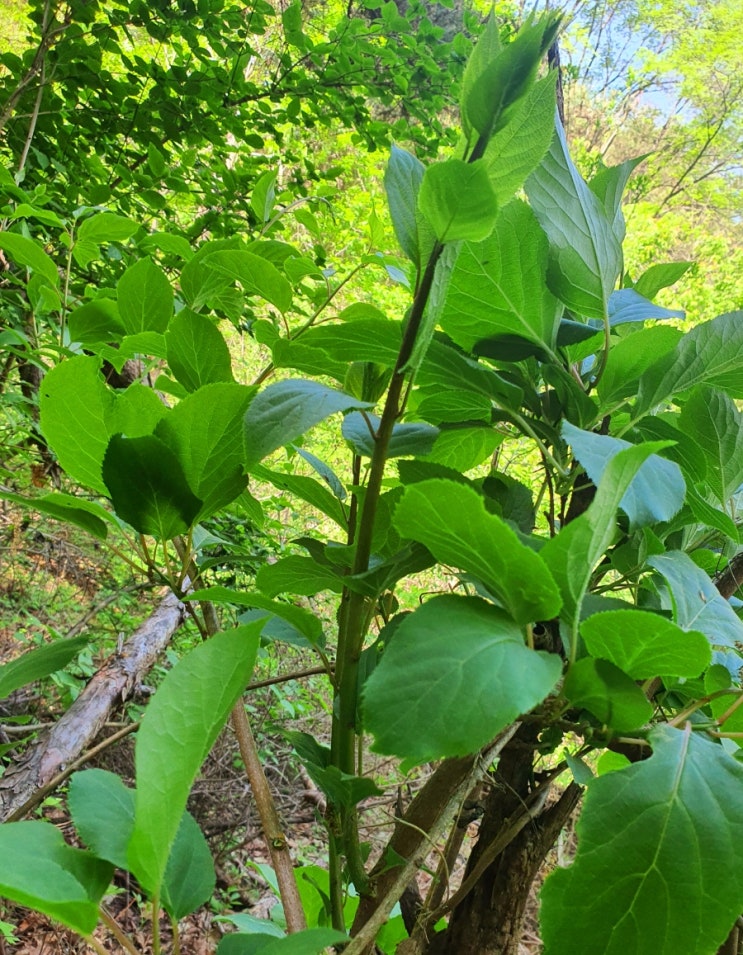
{"x":489,"y":919}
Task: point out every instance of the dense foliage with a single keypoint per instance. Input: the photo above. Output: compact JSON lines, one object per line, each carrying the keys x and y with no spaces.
{"x":534,"y":428}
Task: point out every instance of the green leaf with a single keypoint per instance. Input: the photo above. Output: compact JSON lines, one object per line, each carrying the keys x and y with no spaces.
{"x":444,"y":367}
{"x":451,"y":520}
{"x":189,"y":876}
{"x":28,"y":253}
{"x":606,"y":691}
{"x":285,"y":410}
{"x":456,"y":673}
{"x":645,"y":645}
{"x":695,"y":601}
{"x":498,"y":287}
{"x":88,"y":515}
{"x":106,"y":227}
{"x":39,"y":663}
{"x":485,"y":51}
{"x":516,"y":150}
{"x":39,"y":870}
{"x":183,"y":717}
{"x":75,"y":406}
{"x":145,"y":298}
{"x":660,"y":276}
{"x":297,"y":575}
{"x":256,"y":275}
{"x":630,"y":357}
{"x":308,"y":489}
{"x":302,"y":620}
{"x":608,"y":186}
{"x":96,"y":322}
{"x":263,"y":196}
{"x":572,"y":555}
{"x":464,"y":448}
{"x":586,"y":255}
{"x":147,"y":486}
{"x":670,"y":878}
{"x":454,"y":406}
{"x":310,"y":941}
{"x":102,"y":808}
{"x":205,"y":431}
{"x":402,"y":180}
{"x":414,"y":438}
{"x":627,"y":305}
{"x":714,"y":423}
{"x":137,"y":411}
{"x":507,"y":78}
{"x":711,"y":354}
{"x":325,"y":472}
{"x":656,"y":492}
{"x":457,"y":199}
{"x":196,"y":351}
{"x":363,"y":339}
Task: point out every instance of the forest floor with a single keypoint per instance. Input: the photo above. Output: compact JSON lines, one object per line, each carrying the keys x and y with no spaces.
{"x":53,"y":581}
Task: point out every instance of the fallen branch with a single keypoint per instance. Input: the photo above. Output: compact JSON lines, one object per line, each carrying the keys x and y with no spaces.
{"x":54,"y":750}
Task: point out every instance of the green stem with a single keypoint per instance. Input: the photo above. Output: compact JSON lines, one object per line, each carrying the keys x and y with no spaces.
{"x":354,"y":613}
{"x":335,"y":878}
{"x":156,"y":924}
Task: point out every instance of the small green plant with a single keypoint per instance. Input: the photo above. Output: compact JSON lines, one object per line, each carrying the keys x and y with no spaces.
{"x":590,"y":602}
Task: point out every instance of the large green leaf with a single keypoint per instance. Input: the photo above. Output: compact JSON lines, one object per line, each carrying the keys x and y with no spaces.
{"x":30,"y":254}
{"x":658,"y":871}
{"x":445,"y":367}
{"x":498,"y":287}
{"x":75,"y":409}
{"x":456,"y":672}
{"x":608,"y":186}
{"x":297,"y":575}
{"x":96,"y":322}
{"x":148,"y":487}
{"x":145,"y":298}
{"x":256,"y":275}
{"x":183,"y":718}
{"x":586,"y":255}
{"x":458,"y":201}
{"x":630,"y":357}
{"x":645,"y":645}
{"x":656,"y":492}
{"x":711,"y":354}
{"x":39,"y":663}
{"x":197,"y":353}
{"x":363,"y":339}
{"x":516,"y":150}
{"x":39,"y":870}
{"x":712,"y":420}
{"x":285,"y":410}
{"x":189,"y":875}
{"x":402,"y":180}
{"x":695,"y":601}
{"x":205,"y":431}
{"x":453,"y":523}
{"x":606,"y":691}
{"x":102,"y":808}
{"x":574,"y":553}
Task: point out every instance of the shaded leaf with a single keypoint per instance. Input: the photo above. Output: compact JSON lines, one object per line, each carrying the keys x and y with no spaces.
{"x":285,"y":410}
{"x":453,"y":523}
{"x":453,"y":655}
{"x":670,"y":879}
